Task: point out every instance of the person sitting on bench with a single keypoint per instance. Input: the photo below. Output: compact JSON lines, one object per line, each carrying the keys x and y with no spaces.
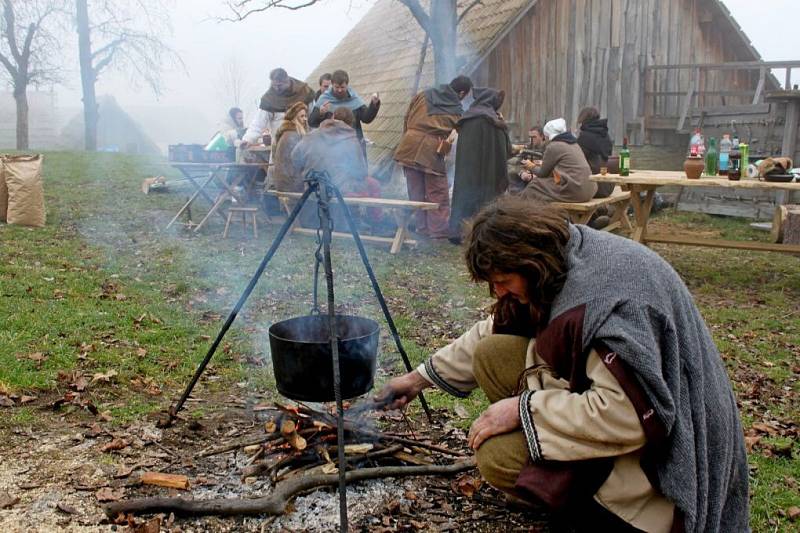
{"x":334,"y":147}
{"x":564,"y":175}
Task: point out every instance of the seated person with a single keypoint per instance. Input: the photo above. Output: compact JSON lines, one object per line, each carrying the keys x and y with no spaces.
{"x":334,"y":147}
{"x":596,"y":145}
{"x":521,"y":166}
{"x":232,"y":127}
{"x":564,"y":175}
{"x":294,"y":126}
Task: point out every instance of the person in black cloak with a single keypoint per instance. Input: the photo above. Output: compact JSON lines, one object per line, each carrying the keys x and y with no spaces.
{"x":482,"y":153}
{"x":596,"y":145}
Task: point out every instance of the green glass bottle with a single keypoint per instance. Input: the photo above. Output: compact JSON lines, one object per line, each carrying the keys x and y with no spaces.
{"x":712,"y":158}
{"x":625,"y":159}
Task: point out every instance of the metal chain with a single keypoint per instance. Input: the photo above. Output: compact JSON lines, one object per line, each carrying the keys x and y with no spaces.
{"x":318,"y":256}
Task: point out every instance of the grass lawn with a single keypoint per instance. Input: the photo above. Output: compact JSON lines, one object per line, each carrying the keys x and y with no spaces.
{"x":104,"y":298}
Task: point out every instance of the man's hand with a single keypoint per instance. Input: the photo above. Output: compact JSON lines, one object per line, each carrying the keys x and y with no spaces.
{"x":401,"y":390}
{"x":326,"y":108}
{"x":529,"y":165}
{"x":525,"y":176}
{"x":501,"y":417}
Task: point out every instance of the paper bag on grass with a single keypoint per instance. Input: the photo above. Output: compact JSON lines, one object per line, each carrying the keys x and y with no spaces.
{"x":23,"y":178}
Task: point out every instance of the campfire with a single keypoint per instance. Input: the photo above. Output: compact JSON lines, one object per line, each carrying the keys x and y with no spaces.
{"x":297,"y":452}
{"x":315,"y":358}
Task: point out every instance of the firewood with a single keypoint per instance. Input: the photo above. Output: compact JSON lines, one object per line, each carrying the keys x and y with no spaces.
{"x":411,"y":458}
{"x":275,"y":503}
{"x":172,"y":481}
{"x":289,"y":432}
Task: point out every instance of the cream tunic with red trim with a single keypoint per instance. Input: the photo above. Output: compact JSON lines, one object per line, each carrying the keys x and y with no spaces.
{"x":601,"y":422}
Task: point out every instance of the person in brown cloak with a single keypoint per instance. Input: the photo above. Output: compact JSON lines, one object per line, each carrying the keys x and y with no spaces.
{"x":284,"y":91}
{"x":430,"y":120}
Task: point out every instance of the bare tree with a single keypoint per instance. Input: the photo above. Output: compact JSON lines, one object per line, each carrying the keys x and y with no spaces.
{"x":26,"y":52}
{"x":233,"y":83}
{"x":124,"y":35}
{"x":440,"y":23}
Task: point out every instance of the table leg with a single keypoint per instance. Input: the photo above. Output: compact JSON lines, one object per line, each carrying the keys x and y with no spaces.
{"x":191,"y":199}
{"x":200,"y":188}
{"x":641,"y":210}
{"x":402,"y":218}
{"x":222,"y":197}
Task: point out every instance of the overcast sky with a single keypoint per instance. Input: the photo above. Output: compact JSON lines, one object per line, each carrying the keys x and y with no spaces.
{"x":299,"y":40}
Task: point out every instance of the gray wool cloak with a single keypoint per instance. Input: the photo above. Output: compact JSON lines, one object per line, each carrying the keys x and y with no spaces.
{"x":638,"y":306}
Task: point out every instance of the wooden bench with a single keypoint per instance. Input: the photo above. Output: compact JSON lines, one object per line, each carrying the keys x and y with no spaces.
{"x":581,"y":213}
{"x":402,"y":210}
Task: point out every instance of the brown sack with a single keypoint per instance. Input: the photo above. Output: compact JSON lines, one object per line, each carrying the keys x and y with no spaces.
{"x":23,"y":177}
{"x":3,"y":192}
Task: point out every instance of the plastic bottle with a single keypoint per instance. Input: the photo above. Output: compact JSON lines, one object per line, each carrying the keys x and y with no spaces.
{"x":744,"y":156}
{"x":625,"y":159}
{"x":697,"y":142}
{"x":725,"y":147}
{"x":712,"y":158}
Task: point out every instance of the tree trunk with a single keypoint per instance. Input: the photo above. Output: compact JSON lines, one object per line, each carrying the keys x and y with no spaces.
{"x":21,"y":98}
{"x":88,"y":76}
{"x":444,"y":19}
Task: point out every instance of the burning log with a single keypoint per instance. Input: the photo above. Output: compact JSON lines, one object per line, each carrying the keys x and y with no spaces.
{"x":275,"y":503}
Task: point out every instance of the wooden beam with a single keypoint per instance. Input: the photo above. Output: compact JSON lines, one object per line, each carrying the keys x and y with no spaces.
{"x":741,"y":65}
{"x":762,"y":78}
{"x":790,"y":129}
{"x":687,"y":102}
{"x":718,"y":243}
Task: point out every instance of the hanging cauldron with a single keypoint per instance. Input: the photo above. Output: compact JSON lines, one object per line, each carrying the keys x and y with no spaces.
{"x":301,"y":356}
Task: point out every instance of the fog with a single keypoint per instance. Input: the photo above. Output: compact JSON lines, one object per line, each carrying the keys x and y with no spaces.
{"x":193,"y":99}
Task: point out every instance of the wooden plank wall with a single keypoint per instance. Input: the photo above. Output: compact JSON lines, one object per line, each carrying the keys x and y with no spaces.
{"x":567,"y":54}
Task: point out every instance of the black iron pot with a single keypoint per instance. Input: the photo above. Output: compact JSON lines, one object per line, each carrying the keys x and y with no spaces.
{"x":301,"y":356}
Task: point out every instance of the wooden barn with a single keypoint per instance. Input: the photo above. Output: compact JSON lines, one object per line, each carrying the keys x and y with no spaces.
{"x":553,"y":57}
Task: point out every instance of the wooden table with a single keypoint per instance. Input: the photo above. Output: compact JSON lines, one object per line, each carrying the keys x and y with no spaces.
{"x":202,"y":175}
{"x":402,"y":210}
{"x":647,"y":181}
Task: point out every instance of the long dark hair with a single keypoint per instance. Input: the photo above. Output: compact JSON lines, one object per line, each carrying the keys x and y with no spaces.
{"x":515,"y":235}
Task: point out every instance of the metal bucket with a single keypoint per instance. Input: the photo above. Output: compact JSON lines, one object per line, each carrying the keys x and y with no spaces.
{"x":301,"y":356}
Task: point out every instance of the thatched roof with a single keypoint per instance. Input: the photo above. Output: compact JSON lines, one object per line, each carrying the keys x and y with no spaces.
{"x":381,"y":54}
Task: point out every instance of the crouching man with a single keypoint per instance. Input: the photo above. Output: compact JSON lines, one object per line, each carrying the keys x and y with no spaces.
{"x":609,"y":400}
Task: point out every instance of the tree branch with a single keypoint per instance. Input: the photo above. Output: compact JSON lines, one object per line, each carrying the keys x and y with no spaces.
{"x":275,"y":503}
{"x":468,"y":9}
{"x":241,"y":10}
{"x":416,"y":9}
{"x":11,"y":30}
{"x":12,"y":70}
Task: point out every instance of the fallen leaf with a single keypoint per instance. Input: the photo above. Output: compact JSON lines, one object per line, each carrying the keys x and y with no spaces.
{"x":141,"y":352}
{"x":64,"y":508}
{"x":27,"y":399}
{"x":104,"y":376}
{"x":793,"y":513}
{"x":5,"y":401}
{"x":765,"y":428}
{"x":151,"y":526}
{"x":120,"y":297}
{"x":107,"y":494}
{"x":467,"y":485}
{"x":38,"y":358}
{"x":6,"y":500}
{"x":94,"y":431}
{"x":751,"y":441}
{"x":461,"y":411}
{"x":115,"y":444}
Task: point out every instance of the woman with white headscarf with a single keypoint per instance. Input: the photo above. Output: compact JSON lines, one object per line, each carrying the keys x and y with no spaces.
{"x":564,"y":175}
